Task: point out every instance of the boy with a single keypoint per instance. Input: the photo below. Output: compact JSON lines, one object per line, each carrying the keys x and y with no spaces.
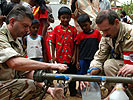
{"x":34,"y":42}
{"x":63,"y":39}
{"x":87,"y":44}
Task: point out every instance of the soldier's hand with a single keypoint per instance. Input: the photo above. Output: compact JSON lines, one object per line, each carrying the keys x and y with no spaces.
{"x":61,"y":67}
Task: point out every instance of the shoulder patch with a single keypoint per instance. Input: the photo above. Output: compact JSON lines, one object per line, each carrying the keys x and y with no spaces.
{"x":127,"y":36}
{"x":3,"y":31}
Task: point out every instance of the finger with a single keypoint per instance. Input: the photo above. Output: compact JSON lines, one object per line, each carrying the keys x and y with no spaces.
{"x":119,"y":73}
{"x":81,"y":85}
{"x":126,"y":72}
{"x":123,"y":72}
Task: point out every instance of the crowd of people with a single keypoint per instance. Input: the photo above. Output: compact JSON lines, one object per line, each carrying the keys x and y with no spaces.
{"x":100,"y":39}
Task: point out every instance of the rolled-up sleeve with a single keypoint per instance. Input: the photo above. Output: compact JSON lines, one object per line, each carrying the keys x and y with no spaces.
{"x":101,"y":55}
{"x":7,"y":53}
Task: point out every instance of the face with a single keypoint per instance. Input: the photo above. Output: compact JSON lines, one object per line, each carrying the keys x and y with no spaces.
{"x":85,"y":26}
{"x":65,"y":19}
{"x":109,"y":30}
{"x":34,"y":29}
{"x":121,"y":15}
{"x":19,"y":28}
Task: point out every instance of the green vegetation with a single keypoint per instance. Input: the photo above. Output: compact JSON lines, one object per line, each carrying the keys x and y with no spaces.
{"x":128,"y":9}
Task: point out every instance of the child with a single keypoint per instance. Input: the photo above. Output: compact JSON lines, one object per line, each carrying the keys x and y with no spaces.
{"x":62,"y":38}
{"x":87,"y":44}
{"x":34,"y":42}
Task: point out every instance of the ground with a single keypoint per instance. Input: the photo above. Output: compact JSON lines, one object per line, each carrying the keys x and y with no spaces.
{"x":68,"y":97}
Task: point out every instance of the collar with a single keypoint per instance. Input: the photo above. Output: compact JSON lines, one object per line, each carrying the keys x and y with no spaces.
{"x":90,"y":32}
{"x":7,"y":32}
{"x":61,"y":26}
{"x":4,"y":29}
{"x":120,"y":34}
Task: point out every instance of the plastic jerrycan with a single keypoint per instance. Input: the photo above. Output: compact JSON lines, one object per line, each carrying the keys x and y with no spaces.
{"x":91,"y":92}
{"x":119,"y":93}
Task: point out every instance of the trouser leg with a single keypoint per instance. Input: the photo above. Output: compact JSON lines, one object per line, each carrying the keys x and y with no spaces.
{"x":112,"y":66}
{"x":18,"y":89}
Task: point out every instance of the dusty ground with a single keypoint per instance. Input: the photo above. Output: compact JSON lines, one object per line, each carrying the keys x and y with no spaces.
{"x":68,"y":97}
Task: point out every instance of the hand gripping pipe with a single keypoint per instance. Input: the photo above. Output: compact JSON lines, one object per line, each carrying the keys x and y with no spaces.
{"x":40,"y":76}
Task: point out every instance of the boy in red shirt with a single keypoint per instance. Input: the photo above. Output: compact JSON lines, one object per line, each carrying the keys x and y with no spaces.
{"x":87,"y":44}
{"x":63,"y":40}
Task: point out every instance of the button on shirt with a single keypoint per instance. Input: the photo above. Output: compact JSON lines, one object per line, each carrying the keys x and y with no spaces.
{"x":8,"y":48}
{"x":64,"y":41}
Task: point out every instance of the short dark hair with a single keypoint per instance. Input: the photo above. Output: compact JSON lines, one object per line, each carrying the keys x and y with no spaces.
{"x":107,"y":14}
{"x":35,"y":21}
{"x":64,"y":10}
{"x":83,"y":18}
{"x":123,"y":12}
{"x":19,"y":12}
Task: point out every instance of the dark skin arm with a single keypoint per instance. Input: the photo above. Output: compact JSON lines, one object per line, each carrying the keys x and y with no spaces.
{"x":43,"y":50}
{"x":44,"y":30}
{"x":74,"y":55}
{"x":77,"y":55}
{"x":53,"y":52}
{"x":45,"y":26}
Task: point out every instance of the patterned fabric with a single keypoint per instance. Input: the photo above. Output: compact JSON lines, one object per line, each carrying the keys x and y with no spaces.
{"x":64,"y":41}
{"x":18,"y":89}
{"x":8,"y":48}
{"x":124,"y":43}
{"x":85,"y":40}
{"x":39,"y":17}
{"x":10,"y":88}
{"x":128,"y":57}
{"x":47,"y":46}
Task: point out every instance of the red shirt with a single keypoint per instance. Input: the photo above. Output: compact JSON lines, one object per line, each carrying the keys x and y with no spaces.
{"x":88,"y":44}
{"x":93,"y":35}
{"x":46,"y":43}
{"x":64,"y":41}
{"x":40,"y":16}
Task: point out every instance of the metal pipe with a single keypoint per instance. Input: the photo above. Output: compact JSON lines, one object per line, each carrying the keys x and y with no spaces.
{"x":40,"y":77}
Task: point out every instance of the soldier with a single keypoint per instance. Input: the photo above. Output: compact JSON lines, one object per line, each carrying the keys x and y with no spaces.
{"x":116,"y":45}
{"x":13,"y":67}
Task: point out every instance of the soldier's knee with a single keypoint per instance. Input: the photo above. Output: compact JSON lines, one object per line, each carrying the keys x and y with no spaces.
{"x":31,"y":85}
{"x":108,"y":64}
{"x":109,"y":67}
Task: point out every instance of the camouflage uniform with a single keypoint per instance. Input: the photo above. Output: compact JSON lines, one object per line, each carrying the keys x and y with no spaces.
{"x":12,"y":88}
{"x":121,"y":52}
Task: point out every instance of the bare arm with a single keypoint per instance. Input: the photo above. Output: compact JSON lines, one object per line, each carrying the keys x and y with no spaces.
{"x":24,"y":64}
{"x":77,"y":55}
{"x":45,"y":26}
{"x":53,"y":52}
{"x":74,"y":55}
